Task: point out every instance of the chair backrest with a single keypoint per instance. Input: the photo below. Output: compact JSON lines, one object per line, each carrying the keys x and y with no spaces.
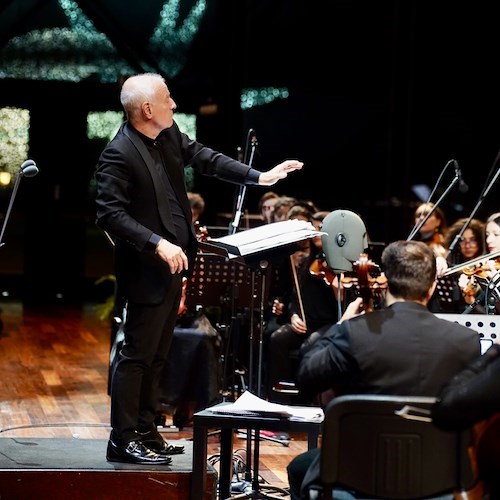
{"x":367,"y":446}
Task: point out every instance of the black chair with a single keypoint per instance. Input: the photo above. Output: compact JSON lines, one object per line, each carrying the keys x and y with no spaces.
{"x":387,"y":447}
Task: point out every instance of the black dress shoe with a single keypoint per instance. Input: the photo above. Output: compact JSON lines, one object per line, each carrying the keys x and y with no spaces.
{"x":135,"y":452}
{"x":154,"y":441}
{"x":163,"y":448}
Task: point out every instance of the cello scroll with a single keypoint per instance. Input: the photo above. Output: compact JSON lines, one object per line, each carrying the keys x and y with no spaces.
{"x":369,"y":281}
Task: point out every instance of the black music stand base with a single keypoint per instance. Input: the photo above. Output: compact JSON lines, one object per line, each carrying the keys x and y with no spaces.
{"x":254,"y":488}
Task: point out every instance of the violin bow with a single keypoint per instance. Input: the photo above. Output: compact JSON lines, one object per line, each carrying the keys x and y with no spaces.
{"x":459,"y":267}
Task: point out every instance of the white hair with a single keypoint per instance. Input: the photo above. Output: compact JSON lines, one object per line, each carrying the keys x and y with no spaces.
{"x":138,"y":89}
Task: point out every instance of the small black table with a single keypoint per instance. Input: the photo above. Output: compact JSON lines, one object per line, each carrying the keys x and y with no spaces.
{"x":206,"y":419}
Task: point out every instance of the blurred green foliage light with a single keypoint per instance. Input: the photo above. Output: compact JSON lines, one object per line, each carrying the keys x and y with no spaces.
{"x":79,"y":51}
{"x":258,"y":97}
{"x":14,"y":138}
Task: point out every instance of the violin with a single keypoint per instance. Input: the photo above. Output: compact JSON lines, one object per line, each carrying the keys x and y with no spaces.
{"x":369,"y":281}
{"x":481,"y":269}
{"x":320,"y":269}
{"x":478,"y":260}
{"x":201,"y":232}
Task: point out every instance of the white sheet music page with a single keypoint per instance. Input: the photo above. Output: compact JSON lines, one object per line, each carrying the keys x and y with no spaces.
{"x":267,"y":236}
{"x":251,"y":405}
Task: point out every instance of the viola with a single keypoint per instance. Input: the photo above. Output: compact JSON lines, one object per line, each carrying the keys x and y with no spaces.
{"x":369,"y":281}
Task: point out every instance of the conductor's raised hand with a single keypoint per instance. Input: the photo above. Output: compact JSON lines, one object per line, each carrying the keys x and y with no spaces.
{"x":279,"y":172}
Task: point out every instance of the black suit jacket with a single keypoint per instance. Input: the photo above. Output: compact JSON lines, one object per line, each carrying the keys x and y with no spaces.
{"x":132,"y":204}
{"x":402,"y":350}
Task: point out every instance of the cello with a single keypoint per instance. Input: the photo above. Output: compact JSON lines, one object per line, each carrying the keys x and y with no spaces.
{"x":369,"y":282}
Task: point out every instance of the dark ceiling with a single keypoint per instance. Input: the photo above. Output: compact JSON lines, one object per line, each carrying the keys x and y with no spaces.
{"x":391,"y":89}
{"x":381,"y":94}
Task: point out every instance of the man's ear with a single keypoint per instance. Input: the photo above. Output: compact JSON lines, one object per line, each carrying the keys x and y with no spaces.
{"x":146,"y":110}
{"x":431,"y":291}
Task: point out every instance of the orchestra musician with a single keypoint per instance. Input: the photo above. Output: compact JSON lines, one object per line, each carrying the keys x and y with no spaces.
{"x":472,"y":399}
{"x":471,"y":244}
{"x":448,"y":297}
{"x":266,"y":206}
{"x":480,"y":280}
{"x":311,"y":308}
{"x":433,"y":231}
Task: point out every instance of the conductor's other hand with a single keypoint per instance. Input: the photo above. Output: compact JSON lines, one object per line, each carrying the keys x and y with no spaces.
{"x":173,"y":255}
{"x":279,"y":172}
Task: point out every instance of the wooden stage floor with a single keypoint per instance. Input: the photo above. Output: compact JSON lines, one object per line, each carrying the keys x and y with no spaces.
{"x":54,"y":416}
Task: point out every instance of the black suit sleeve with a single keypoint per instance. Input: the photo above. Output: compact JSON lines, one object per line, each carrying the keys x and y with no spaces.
{"x":472,"y":395}
{"x":328,"y":362}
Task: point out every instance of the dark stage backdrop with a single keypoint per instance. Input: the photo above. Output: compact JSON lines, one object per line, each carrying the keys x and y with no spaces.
{"x":381,"y":96}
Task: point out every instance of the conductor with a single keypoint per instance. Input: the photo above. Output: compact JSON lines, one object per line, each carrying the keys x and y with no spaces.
{"x":142,"y":203}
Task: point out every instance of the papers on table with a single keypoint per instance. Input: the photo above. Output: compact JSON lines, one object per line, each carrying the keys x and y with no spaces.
{"x":250,"y":405}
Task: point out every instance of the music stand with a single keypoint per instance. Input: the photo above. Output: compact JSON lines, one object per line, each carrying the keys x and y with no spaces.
{"x":258,"y":248}
{"x":217,"y":281}
{"x":214,"y":279}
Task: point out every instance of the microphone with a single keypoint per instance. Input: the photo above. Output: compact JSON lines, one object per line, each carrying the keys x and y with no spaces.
{"x":462,"y":186}
{"x":250,"y":146}
{"x":28,"y":169}
{"x":253,"y":137}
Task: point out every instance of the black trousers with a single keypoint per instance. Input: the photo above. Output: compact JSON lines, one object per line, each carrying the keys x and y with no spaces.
{"x":148,"y":332}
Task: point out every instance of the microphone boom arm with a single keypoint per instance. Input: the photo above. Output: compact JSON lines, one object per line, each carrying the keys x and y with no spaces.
{"x":473,"y":213}
{"x":433,"y":209}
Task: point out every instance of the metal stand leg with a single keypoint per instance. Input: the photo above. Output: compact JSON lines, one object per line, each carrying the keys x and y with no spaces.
{"x":258,"y":490}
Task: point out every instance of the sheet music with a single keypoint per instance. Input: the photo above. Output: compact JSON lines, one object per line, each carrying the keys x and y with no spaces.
{"x":250,"y":405}
{"x":267,"y":236}
{"x":486,"y":325}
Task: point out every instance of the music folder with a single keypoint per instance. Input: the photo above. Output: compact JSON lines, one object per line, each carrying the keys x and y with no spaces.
{"x":262,"y":240}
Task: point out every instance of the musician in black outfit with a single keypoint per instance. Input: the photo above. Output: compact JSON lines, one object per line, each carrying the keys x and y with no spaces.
{"x":472,"y":399}
{"x":401,"y":349}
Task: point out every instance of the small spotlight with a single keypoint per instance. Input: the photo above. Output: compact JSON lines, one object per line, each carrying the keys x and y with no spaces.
{"x":5,"y":178}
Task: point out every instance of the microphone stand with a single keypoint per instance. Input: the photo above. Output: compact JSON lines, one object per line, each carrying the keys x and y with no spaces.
{"x":474,"y":210}
{"x":416,"y":228}
{"x":433,"y":209}
{"x":11,"y":203}
{"x":252,"y":141}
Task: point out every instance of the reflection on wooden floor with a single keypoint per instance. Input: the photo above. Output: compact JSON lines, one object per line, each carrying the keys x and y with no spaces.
{"x":54,"y":365}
